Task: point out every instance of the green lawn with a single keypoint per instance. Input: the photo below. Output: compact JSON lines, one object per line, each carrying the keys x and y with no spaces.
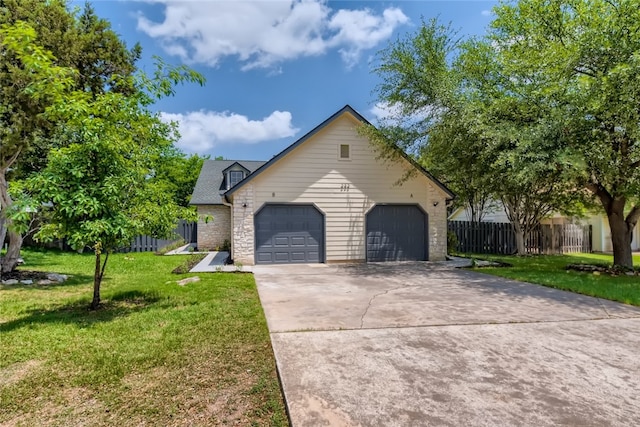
{"x":155,"y":354}
{"x":549,"y":270}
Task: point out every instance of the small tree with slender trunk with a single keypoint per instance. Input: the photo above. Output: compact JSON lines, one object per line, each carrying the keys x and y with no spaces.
{"x":98,"y":190}
{"x":100,"y":186}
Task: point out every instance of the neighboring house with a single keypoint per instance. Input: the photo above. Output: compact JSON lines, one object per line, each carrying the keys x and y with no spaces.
{"x":600,"y":231}
{"x":325,"y":198}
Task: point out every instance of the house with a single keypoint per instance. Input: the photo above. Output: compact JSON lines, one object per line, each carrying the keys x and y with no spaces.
{"x":600,"y":230}
{"x":216,"y":177}
{"x":325,"y":198}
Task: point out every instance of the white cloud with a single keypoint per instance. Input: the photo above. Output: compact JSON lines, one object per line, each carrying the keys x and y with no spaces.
{"x":358,"y":30}
{"x":383,"y":111}
{"x":262,"y":34}
{"x":485,"y":13}
{"x":202,"y":130}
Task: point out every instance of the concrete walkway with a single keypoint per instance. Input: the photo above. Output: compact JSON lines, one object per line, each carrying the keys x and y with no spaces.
{"x":216,"y":262}
{"x":419,"y":344}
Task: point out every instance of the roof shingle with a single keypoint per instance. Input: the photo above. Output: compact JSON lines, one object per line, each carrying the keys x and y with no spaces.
{"x":209,"y":189}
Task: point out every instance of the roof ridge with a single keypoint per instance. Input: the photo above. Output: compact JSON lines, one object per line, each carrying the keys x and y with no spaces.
{"x":234,"y":160}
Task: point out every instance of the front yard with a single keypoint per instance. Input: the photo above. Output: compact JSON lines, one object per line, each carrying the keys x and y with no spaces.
{"x":550,"y":270}
{"x":156,"y":354}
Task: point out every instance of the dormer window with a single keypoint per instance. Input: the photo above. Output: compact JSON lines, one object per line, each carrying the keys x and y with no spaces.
{"x":234,"y":177}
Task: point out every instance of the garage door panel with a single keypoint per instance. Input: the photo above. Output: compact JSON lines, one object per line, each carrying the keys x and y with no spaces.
{"x":396,"y":233}
{"x":281,"y":241}
{"x":298,"y":256}
{"x":289,"y":234}
{"x":298,"y":241}
{"x":281,"y":257}
{"x":264,"y":258}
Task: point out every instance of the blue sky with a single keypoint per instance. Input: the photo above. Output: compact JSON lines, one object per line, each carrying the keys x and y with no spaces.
{"x":274,"y":69}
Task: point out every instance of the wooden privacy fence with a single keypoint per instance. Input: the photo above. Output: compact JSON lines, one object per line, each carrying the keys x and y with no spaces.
{"x":185,"y":230}
{"x":499,"y":238}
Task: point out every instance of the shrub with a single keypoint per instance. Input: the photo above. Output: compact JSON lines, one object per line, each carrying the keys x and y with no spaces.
{"x":452,"y":242}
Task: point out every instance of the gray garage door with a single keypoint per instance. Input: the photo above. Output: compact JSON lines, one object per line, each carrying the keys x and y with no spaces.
{"x":396,"y":233}
{"x":289,"y":234}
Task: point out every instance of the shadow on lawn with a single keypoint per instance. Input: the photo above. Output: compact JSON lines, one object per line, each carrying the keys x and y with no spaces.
{"x":73,"y":280}
{"x":117,"y":305}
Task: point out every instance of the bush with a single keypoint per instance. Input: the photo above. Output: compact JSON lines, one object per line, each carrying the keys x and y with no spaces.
{"x":452,"y":242}
{"x":171,"y":246}
{"x":225,"y":247}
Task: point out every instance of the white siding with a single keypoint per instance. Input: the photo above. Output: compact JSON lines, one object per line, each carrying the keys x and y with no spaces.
{"x":495,"y":213}
{"x":344,"y":190}
{"x":602,"y":235}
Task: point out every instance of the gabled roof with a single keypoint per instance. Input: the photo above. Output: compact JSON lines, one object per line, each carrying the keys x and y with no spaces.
{"x":209,"y":187}
{"x":236,"y":163}
{"x":346,"y":109}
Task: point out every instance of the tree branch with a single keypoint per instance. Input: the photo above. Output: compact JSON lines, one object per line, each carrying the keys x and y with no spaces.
{"x":11,"y":160}
{"x":601,"y":192}
{"x":633,"y":216}
{"x":104,"y":265}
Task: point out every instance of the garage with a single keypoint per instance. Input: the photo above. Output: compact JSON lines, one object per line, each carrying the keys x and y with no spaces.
{"x":289,"y":233}
{"x":396,"y":233}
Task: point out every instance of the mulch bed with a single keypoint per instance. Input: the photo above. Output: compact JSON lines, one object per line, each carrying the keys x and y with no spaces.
{"x":25,"y":275}
{"x":602,"y":269}
{"x":189,"y":263}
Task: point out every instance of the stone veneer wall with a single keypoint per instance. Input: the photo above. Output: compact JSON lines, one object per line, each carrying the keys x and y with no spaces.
{"x":243,"y":228}
{"x":212,"y":235}
{"x":437,"y":224}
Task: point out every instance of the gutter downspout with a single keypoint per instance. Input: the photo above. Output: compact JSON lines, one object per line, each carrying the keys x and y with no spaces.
{"x":225,"y":201}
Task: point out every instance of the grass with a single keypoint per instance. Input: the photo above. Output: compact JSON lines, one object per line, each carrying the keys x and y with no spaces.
{"x":155,"y":354}
{"x":549,"y":270}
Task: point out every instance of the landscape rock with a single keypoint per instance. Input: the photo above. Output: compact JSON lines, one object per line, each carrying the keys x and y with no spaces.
{"x":45,"y":282}
{"x":188,"y":280}
{"x":26,"y":282}
{"x":10,"y":282}
{"x":57,"y":277}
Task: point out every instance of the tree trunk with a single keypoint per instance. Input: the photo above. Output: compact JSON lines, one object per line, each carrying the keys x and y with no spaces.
{"x":97,"y":279}
{"x":519,"y":234}
{"x":9,"y":262}
{"x":621,"y":235}
{"x":11,"y":258}
{"x":98,"y":274}
{"x":3,"y":229}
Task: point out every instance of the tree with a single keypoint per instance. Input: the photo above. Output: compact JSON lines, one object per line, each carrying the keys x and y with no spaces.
{"x":100,"y":185}
{"x":177,"y":175}
{"x":78,"y":41}
{"x":475,"y":128}
{"x":455,"y":154}
{"x":585,"y":55}
{"x":519,"y":154}
{"x":18,"y":40}
{"x":427,"y":120}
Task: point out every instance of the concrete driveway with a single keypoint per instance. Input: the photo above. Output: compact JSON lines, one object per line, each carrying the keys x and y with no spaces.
{"x":419,"y":344}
